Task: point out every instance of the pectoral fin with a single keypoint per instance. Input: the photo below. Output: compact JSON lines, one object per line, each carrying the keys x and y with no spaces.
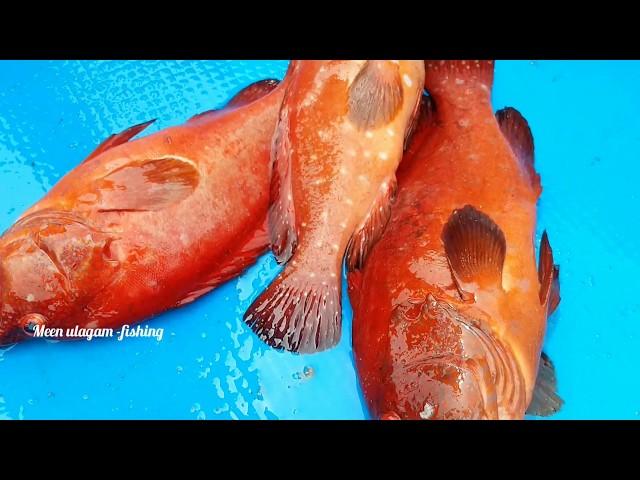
{"x":144,"y":185}
{"x":375,"y":95}
{"x":475,"y":247}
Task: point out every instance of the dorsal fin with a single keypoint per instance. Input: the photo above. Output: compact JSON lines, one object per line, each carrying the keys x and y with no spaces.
{"x":118,"y":139}
{"x":475,"y":247}
{"x":548,"y":276}
{"x":247,"y":95}
{"x":516,"y":130}
{"x":253,"y":92}
{"x":375,"y":95}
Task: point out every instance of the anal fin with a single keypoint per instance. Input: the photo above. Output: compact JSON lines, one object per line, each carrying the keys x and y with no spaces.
{"x":372,"y":228}
{"x":545,"y":400}
{"x":282,"y":228}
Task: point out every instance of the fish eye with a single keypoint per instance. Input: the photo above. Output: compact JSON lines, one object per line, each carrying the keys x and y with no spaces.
{"x":31,"y":321}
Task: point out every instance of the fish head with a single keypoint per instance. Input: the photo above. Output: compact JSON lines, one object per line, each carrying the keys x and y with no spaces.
{"x":46,"y":260}
{"x":448,"y":365}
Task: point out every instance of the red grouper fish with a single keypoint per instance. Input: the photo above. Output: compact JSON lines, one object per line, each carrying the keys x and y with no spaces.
{"x":338,"y":143}
{"x":144,"y":226}
{"x":450,"y":309}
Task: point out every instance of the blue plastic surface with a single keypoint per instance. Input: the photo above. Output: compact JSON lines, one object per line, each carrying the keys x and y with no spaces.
{"x":584,"y":116}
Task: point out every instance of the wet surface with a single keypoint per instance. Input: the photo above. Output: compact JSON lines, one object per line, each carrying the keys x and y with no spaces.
{"x":209,"y":365}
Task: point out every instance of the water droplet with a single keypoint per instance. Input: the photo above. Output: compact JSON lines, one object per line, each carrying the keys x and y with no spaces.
{"x":179,"y":369}
{"x":85,"y":397}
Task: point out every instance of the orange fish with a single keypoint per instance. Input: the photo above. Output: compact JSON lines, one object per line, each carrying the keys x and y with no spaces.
{"x":144,"y":226}
{"x":450,"y":309}
{"x":338,"y":143}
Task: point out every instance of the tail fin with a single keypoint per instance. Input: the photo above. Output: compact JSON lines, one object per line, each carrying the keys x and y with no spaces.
{"x":299,"y":312}
{"x":440,"y":74}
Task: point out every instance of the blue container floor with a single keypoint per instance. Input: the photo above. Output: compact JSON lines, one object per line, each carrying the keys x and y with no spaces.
{"x":584,"y":116}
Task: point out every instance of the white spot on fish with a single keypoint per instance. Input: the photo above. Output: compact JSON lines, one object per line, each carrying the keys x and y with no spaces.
{"x":348,"y":201}
{"x":383,"y":156}
{"x":366,"y":154}
{"x":343,"y":171}
{"x":427,"y":412}
{"x":30,"y":297}
{"x":391,"y":132}
{"x":368,"y":134}
{"x":407,"y":80}
{"x":459,"y":81}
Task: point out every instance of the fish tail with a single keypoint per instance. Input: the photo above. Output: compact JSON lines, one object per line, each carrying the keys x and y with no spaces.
{"x":299,"y":312}
{"x":444,"y":74}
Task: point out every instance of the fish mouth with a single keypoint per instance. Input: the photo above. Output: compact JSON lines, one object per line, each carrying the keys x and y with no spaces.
{"x":11,"y":337}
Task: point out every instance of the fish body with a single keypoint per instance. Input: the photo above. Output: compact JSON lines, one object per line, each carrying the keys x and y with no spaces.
{"x":450,"y":309}
{"x":339,"y":141}
{"x":143,"y":226}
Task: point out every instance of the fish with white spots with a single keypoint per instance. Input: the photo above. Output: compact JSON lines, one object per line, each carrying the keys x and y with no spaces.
{"x":338,"y":143}
{"x":143,"y":225}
